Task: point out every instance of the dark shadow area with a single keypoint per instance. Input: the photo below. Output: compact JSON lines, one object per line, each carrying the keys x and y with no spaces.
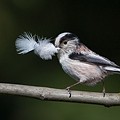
{"x":97,"y":23}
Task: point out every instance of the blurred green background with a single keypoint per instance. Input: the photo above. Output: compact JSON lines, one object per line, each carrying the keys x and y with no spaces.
{"x":96,"y":22}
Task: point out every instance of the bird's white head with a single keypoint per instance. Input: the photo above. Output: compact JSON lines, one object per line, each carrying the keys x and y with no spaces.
{"x":66,"y":39}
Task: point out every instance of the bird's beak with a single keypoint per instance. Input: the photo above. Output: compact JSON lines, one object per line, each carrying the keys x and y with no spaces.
{"x":58,"y":48}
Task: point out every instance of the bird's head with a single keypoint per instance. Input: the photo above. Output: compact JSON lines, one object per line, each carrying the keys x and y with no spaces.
{"x":66,"y":40}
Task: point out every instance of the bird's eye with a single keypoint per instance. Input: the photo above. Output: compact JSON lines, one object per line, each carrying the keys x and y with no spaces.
{"x":65,"y":42}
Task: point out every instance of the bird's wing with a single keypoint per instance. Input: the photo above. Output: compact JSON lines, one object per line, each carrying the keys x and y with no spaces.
{"x":84,"y":54}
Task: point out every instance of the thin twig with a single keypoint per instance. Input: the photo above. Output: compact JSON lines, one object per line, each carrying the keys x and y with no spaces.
{"x":51,"y":94}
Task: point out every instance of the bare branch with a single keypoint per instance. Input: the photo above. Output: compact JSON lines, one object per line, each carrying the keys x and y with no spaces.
{"x":50,"y":94}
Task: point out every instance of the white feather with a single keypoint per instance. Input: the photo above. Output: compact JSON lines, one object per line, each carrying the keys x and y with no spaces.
{"x":113,"y":69}
{"x":43,"y":48}
{"x":25,"y":43}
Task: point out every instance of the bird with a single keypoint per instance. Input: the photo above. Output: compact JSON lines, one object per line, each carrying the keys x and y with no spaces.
{"x":81,"y":63}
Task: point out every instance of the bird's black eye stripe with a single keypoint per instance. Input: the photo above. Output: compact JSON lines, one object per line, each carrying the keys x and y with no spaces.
{"x":68,"y":37}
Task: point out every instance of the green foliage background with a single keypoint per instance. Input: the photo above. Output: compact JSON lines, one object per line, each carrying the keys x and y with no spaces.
{"x":97,"y":23}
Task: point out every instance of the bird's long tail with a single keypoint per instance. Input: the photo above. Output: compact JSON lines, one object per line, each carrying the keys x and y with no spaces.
{"x":113,"y":69}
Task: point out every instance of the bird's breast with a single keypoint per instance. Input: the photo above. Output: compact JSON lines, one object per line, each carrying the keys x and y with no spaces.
{"x":89,"y":74}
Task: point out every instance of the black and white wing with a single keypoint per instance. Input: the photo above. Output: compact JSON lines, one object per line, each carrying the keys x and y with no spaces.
{"x":83,"y":54}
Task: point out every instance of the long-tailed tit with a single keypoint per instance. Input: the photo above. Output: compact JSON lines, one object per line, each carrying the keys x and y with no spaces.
{"x":82,"y":64}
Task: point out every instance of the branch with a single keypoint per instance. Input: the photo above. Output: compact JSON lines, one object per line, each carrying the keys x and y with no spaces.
{"x":51,"y":94}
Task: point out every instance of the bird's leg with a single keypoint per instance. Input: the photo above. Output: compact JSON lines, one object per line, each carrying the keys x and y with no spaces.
{"x":103,"y":88}
{"x":73,"y":85}
{"x":68,"y":88}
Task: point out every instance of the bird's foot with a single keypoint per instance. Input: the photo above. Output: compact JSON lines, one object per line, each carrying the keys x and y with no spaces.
{"x":69,"y":91}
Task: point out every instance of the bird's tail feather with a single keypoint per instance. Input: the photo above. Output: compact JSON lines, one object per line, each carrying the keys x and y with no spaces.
{"x":112,"y":69}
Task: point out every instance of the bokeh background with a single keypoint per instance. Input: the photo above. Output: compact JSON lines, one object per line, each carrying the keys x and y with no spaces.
{"x":96,"y":22}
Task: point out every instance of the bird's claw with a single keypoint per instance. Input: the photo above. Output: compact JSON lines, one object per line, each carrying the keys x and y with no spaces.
{"x":69,"y":91}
